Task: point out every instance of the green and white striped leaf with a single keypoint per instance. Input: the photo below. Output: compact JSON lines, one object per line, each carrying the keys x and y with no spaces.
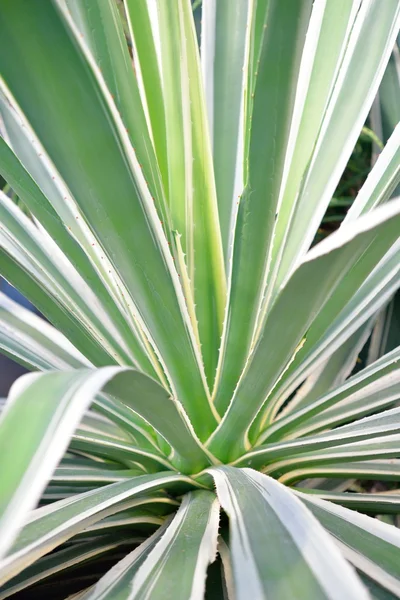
{"x":102,"y":30}
{"x":150,"y":401}
{"x":328,"y":35}
{"x":165,"y":414}
{"x":56,"y":563}
{"x":344,"y":117}
{"x":372,"y":546}
{"x":372,"y":389}
{"x":187,"y":547}
{"x":270,"y":532}
{"x":81,"y":475}
{"x":51,"y":424}
{"x":380,"y":470}
{"x":34,"y":158}
{"x":371,"y":503}
{"x":50,"y":526}
{"x":191,"y":195}
{"x":26,"y":146}
{"x":381,"y":447}
{"x":227,"y":571}
{"x":125,"y":453}
{"x":151,"y":175}
{"x":26,"y":188}
{"x":384,"y":333}
{"x":117,"y":582}
{"x":56,"y":403}
{"x":174,"y":567}
{"x":55,"y":352}
{"x":146,"y":514}
{"x":329,"y":374}
{"x":385,"y":113}
{"x":283,"y":29}
{"x":385,"y":424}
{"x":144,"y":31}
{"x":29,"y":339}
{"x":105,"y":180}
{"x":332,"y":328}
{"x":40,"y":258}
{"x":96,"y":423}
{"x":298,"y":306}
{"x":224,"y":56}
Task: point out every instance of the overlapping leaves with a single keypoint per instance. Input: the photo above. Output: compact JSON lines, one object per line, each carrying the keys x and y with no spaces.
{"x":199,"y":350}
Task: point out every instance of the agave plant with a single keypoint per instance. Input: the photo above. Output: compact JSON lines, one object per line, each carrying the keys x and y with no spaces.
{"x":192,"y":402}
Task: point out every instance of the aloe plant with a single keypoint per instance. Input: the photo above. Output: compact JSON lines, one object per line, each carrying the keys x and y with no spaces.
{"x":192,"y":409}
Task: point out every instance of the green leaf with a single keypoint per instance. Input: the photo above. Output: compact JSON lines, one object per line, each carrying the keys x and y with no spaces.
{"x":298,"y":306}
{"x":380,"y":470}
{"x":37,"y":345}
{"x":105,"y":180}
{"x":224,"y":59}
{"x":164,"y":413}
{"x":127,"y":149}
{"x":57,"y":562}
{"x":50,"y":526}
{"x":122,"y":452}
{"x":36,"y":259}
{"x":386,"y":113}
{"x":192,"y":195}
{"x":147,"y":69}
{"x":343,"y":120}
{"x":383,"y":333}
{"x":96,"y":423}
{"x":118,"y":580}
{"x":332,"y":327}
{"x":81,"y":476}
{"x":376,"y":447}
{"x":151,"y":402}
{"x":331,"y":373}
{"x":35,"y":159}
{"x":40,"y":257}
{"x":370,"y":390}
{"x":372,"y":546}
{"x":275,"y":542}
{"x":37,"y":203}
{"x":140,"y":432}
{"x":376,"y":591}
{"x":28,"y":338}
{"x":101,"y":27}
{"x":176,"y":566}
{"x":371,"y":503}
{"x":30,"y":152}
{"x":227,"y":575}
{"x":147,"y":513}
{"x":385,"y":424}
{"x":56,"y":403}
{"x":328,"y":34}
{"x":283,"y":27}
{"x":256,"y":39}
{"x":51,"y":424}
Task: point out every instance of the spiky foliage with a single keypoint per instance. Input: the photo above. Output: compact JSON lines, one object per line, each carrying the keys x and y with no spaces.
{"x":196,"y":368}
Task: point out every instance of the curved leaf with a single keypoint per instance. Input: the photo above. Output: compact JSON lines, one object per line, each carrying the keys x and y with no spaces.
{"x":275,"y":542}
{"x":372,"y":546}
{"x":49,"y":527}
{"x":173,"y":563}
